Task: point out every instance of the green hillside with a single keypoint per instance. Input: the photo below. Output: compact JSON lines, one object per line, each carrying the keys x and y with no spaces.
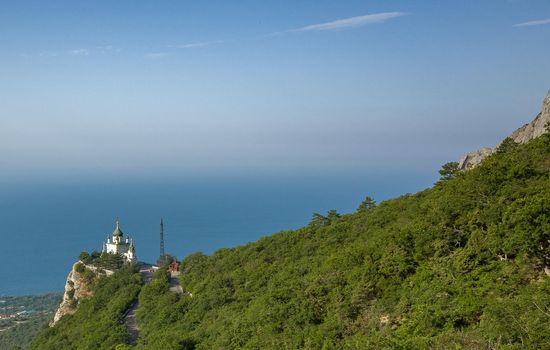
{"x":97,"y":322}
{"x":457,"y":266}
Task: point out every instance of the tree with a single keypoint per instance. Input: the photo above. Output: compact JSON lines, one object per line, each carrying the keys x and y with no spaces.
{"x":95,"y":255}
{"x":332,"y":214}
{"x":111,"y":261}
{"x":506,"y":145}
{"x":367,"y":204}
{"x":165,"y":260}
{"x":85,"y":257}
{"x":318,"y":220}
{"x":448,"y":170}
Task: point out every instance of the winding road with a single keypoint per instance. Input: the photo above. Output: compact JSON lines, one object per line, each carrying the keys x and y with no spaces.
{"x":175,"y":283}
{"x":130,"y":323}
{"x":129,"y":317}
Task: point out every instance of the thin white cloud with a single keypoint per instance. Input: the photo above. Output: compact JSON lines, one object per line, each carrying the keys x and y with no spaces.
{"x":47,"y":54}
{"x":157,"y":54}
{"x":107,"y":49}
{"x":196,"y":44}
{"x":533,"y":23}
{"x":352,"y":22}
{"x":79,"y":52}
{"x":75,"y":52}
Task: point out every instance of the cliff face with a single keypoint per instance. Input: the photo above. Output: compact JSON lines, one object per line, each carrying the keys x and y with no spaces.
{"x":522,"y":135}
{"x":78,"y":286}
{"x":536,"y":127}
{"x":470,"y":160}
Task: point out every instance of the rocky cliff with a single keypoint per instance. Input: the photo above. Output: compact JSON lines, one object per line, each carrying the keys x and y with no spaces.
{"x":522,"y":135}
{"x":78,"y":286}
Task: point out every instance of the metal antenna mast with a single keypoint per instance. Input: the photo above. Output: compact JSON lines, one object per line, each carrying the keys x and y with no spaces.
{"x":161,"y":257}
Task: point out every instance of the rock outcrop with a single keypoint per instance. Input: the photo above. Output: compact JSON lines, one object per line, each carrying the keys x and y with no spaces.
{"x":524,"y":134}
{"x":78,"y":286}
{"x":470,"y":160}
{"x":537,"y":127}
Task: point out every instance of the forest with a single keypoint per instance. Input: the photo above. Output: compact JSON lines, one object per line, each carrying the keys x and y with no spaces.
{"x":97,"y":323}
{"x":458,"y":266}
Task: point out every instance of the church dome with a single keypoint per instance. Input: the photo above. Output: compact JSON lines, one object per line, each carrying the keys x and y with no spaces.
{"x":117,"y":232}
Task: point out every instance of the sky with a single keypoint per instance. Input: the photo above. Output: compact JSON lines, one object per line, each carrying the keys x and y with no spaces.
{"x":130,"y":89}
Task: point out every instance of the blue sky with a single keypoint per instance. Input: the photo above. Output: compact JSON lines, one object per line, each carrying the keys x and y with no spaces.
{"x":134,"y":88}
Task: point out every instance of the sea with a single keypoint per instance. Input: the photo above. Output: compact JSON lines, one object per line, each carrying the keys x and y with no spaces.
{"x":45,"y":225}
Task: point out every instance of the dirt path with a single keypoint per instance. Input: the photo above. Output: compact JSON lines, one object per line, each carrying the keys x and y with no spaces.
{"x":175,"y":283}
{"x":130,"y":323}
{"x":129,"y":317}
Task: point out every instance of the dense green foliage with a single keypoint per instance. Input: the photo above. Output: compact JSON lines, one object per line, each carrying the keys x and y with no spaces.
{"x":23,"y":317}
{"x":457,"y":266}
{"x":449,"y":170}
{"x":97,"y":322}
{"x":107,"y":261}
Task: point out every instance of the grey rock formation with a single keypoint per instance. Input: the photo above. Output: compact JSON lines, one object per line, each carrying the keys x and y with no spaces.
{"x":524,"y":134}
{"x":536,"y":127}
{"x":76,"y":289}
{"x":472,"y":159}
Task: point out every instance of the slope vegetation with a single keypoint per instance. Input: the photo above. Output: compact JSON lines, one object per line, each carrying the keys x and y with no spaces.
{"x":460,"y":265}
{"x":97,"y":323}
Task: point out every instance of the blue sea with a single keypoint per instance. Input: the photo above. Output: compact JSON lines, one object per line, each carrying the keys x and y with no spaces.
{"x":44,"y":226}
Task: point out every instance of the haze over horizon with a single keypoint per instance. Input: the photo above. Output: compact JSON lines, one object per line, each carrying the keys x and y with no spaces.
{"x":130,"y":89}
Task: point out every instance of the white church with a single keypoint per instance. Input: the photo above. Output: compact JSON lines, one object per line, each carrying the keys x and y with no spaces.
{"x":118,"y":244}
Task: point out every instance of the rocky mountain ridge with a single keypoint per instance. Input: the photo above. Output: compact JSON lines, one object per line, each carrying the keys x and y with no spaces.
{"x":522,"y":135}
